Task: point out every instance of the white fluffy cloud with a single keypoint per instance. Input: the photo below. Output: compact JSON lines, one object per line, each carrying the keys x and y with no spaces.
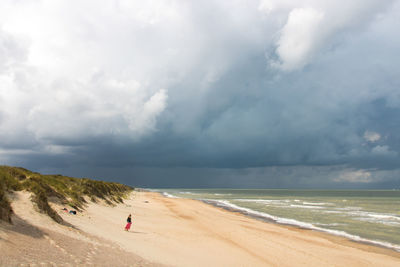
{"x":74,"y":72}
{"x":355,"y":176}
{"x":300,"y":37}
{"x":310,"y":25}
{"x":372,"y":136}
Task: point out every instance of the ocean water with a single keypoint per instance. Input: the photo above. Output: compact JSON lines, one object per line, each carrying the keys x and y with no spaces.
{"x":371,"y":216}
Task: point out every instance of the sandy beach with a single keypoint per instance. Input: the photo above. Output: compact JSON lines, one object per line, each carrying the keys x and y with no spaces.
{"x":171,"y":232}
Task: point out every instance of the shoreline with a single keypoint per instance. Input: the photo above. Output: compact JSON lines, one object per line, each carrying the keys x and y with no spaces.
{"x":337,"y":238}
{"x":352,"y":240}
{"x":267,"y":218}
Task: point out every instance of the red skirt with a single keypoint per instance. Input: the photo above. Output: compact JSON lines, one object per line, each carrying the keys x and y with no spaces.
{"x":128,"y":226}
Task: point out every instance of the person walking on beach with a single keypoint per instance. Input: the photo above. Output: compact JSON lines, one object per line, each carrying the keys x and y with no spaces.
{"x":129,"y":223}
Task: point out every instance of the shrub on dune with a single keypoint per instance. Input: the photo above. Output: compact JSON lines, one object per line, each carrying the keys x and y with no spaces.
{"x":67,"y":190}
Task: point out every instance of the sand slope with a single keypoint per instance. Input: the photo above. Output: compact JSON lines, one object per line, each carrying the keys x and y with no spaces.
{"x":182,"y":232}
{"x":36,"y":240}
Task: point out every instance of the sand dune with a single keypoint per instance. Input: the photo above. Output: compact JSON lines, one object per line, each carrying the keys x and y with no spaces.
{"x":36,"y":240}
{"x":173,"y":232}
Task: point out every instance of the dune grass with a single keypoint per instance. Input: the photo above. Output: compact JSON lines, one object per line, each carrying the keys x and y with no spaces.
{"x":70,"y":191}
{"x":5,"y":208}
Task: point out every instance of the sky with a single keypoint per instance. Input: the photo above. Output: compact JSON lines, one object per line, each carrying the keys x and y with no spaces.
{"x":184,"y":93}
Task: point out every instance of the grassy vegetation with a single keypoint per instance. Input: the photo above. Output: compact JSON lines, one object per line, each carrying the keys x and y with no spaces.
{"x":70,"y":191}
{"x":5,"y":208}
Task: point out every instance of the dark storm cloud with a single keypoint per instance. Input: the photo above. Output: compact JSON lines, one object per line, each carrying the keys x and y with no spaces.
{"x":205,"y":94}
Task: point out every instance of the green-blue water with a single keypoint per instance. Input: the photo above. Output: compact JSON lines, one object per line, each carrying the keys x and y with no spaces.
{"x":370,"y":216}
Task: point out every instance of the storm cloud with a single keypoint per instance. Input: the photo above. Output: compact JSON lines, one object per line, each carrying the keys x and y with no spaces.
{"x":212,"y":93}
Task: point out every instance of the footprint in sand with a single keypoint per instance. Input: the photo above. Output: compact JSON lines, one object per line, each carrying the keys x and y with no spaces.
{"x":89,"y":255}
{"x":52,"y":242}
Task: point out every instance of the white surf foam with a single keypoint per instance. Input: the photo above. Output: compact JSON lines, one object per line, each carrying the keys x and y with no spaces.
{"x":187,"y":193}
{"x":317,"y":203}
{"x":306,"y":207}
{"x":384,"y":216}
{"x":332,"y":211}
{"x":329,"y":224}
{"x":263,"y":201}
{"x":169,"y":195}
{"x":387,"y":219}
{"x":349,"y":208}
{"x":227,"y":204}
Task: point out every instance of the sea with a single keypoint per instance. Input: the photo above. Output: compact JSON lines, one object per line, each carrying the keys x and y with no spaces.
{"x":368,"y":216}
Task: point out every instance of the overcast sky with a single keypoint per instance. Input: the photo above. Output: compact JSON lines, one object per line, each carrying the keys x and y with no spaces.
{"x":212,"y":93}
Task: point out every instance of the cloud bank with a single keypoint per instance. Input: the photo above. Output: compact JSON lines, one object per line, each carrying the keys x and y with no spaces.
{"x":190,"y":85}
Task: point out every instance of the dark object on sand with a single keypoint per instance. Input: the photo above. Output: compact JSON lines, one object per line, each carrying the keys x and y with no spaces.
{"x":72,"y":212}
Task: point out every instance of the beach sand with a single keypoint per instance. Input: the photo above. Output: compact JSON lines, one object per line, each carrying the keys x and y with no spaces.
{"x":171,"y":232}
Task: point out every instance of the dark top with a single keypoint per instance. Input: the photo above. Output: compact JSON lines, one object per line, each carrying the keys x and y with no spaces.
{"x":129,"y":220}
